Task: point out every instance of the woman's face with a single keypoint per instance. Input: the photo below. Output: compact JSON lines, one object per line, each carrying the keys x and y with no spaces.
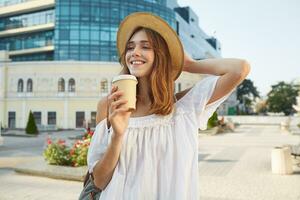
{"x":140,"y":55}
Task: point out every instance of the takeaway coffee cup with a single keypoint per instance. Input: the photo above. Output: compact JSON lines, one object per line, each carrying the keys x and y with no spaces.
{"x":127,"y":83}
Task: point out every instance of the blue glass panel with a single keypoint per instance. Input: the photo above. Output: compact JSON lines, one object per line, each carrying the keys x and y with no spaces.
{"x":74,"y":34}
{"x":95,"y":35}
{"x":64,"y":10}
{"x":84,"y":35}
{"x":64,"y":34}
{"x":104,"y":35}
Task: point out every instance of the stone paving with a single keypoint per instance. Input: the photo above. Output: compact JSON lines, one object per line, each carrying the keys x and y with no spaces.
{"x":237,"y":166}
{"x":232,"y":166}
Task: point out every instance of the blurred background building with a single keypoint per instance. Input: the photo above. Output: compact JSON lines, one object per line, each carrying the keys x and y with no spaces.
{"x":58,"y":58}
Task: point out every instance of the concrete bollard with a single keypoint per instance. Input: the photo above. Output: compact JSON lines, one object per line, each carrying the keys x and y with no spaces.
{"x":281,"y":160}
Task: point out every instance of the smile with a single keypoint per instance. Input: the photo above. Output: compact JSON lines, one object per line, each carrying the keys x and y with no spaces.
{"x":137,"y":62}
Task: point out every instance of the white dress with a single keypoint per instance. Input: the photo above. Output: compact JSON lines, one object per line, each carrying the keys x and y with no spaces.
{"x":159,"y":156}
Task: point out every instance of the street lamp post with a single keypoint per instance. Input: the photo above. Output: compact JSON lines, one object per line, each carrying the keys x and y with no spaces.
{"x":1,"y":139}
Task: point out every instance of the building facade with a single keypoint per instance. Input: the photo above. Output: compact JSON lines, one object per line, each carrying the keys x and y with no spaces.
{"x":60,"y":94}
{"x":58,"y":57}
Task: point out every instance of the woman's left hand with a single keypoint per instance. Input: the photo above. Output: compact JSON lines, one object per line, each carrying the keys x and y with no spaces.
{"x":187,"y":61}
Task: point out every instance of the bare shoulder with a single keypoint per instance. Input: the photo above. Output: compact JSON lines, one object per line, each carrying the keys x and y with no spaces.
{"x":101,"y":109}
{"x":181,"y":94}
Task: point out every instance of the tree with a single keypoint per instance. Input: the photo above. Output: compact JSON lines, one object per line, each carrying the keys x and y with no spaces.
{"x":246,"y":94}
{"x":31,"y":127}
{"x":213,"y":120}
{"x":282,"y":97}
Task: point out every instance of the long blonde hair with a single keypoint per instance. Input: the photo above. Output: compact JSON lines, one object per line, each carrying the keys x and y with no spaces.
{"x":161,"y":80}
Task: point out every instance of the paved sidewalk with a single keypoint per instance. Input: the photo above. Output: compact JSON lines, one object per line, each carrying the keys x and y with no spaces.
{"x":232,"y":166}
{"x":19,"y":186}
{"x":237,"y":166}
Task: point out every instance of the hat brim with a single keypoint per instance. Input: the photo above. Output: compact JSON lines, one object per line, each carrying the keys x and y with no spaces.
{"x":148,"y":20}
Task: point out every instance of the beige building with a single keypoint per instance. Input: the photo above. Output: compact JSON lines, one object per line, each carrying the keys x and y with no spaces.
{"x":61,"y":94}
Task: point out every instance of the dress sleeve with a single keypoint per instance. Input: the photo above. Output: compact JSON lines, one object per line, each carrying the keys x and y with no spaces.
{"x":196,"y":99}
{"x":99,"y":143}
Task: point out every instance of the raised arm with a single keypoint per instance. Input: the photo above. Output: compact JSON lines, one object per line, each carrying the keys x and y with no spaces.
{"x":117,"y":117}
{"x":232,"y":71}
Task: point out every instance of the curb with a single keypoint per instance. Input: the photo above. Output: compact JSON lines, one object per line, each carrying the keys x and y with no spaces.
{"x":41,"y":168}
{"x":18,"y":135}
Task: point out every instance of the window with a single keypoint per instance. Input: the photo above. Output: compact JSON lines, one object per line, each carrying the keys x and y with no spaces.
{"x":29,"y":85}
{"x":64,"y":34}
{"x":93,"y":119}
{"x":79,"y":119}
{"x":71,"y":85}
{"x":51,"y":118}
{"x":61,"y":85}
{"x":104,"y":86}
{"x":104,"y":35}
{"x":11,"y":119}
{"x":84,"y":34}
{"x":37,"y":118}
{"x":20,"y":85}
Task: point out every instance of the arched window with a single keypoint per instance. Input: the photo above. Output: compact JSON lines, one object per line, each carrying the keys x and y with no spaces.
{"x":61,"y":85}
{"x":104,"y":86}
{"x":29,"y":85}
{"x":20,"y":85}
{"x":71,"y":85}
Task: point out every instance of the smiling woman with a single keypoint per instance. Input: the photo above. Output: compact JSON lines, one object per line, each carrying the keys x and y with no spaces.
{"x":147,"y":57}
{"x":152,"y":152}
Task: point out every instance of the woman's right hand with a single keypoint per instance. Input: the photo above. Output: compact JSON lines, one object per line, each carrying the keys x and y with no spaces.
{"x":118,"y":114}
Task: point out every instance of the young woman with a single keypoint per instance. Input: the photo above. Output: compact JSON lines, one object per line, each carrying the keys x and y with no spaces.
{"x":152,"y":153}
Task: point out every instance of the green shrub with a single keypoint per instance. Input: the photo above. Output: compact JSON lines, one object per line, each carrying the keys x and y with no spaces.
{"x":31,"y":126}
{"x":57,"y":153}
{"x":79,"y":153}
{"x":213,"y":121}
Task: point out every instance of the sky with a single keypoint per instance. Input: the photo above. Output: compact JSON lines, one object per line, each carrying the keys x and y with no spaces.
{"x":266,"y":33}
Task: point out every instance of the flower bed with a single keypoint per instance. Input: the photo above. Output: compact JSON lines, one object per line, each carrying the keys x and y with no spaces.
{"x":58,"y":153}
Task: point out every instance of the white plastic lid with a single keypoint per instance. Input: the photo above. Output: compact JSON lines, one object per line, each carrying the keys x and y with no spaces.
{"x":124,"y":76}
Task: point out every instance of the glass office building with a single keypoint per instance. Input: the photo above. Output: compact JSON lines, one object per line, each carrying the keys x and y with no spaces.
{"x":84,"y":30}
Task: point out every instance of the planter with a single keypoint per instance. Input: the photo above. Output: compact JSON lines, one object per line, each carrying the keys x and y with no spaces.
{"x":281,"y":160}
{"x":211,"y":131}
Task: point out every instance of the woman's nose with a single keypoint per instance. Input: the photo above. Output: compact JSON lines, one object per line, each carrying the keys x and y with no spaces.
{"x":136,"y":52}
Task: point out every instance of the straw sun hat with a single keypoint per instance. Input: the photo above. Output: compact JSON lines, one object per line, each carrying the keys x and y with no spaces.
{"x":148,"y":20}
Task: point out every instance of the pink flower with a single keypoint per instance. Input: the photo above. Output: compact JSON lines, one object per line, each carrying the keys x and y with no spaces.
{"x":49,"y":141}
{"x":60,"y":141}
{"x":72,"y":151}
{"x":91,"y":133}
